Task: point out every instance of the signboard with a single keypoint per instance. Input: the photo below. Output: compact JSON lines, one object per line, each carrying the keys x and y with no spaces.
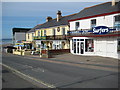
{"x":96,"y":30}
{"x":101,"y":30}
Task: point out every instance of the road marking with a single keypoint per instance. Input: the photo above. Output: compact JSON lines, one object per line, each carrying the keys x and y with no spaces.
{"x":78,"y":65}
{"x":32,"y":78}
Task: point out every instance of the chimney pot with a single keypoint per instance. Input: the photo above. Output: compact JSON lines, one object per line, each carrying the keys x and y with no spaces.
{"x":48,"y":19}
{"x":59,"y":15}
{"x":114,"y":2}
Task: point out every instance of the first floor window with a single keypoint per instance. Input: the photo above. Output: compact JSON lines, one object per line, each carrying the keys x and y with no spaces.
{"x":38,"y":33}
{"x":77,"y":24}
{"x":93,"y":23}
{"x":63,"y":31}
{"x":28,"y":36}
{"x":118,"y":45}
{"x":44,"y":32}
{"x":117,"y":21}
{"x":89,"y":45}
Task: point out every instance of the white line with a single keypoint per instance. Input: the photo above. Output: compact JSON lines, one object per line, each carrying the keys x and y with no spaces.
{"x":36,"y":80}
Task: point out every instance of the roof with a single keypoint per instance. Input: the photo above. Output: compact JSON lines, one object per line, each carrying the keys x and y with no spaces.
{"x":97,"y":10}
{"x":54,"y":22}
{"x":33,"y":29}
{"x":20,"y":30}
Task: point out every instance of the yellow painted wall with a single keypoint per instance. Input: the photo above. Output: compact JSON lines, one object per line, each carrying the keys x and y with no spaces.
{"x":30,"y":36}
{"x":49,"y":31}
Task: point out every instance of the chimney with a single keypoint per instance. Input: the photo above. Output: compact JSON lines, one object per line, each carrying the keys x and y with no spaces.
{"x":48,"y":19}
{"x":114,"y":2}
{"x":59,"y":15}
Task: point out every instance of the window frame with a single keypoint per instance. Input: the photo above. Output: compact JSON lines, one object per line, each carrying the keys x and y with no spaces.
{"x":77,"y":25}
{"x":118,"y":45}
{"x":93,"y":24}
{"x":63,"y":31}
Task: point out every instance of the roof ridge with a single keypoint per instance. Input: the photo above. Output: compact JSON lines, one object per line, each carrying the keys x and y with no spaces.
{"x":96,"y":5}
{"x":66,"y":16}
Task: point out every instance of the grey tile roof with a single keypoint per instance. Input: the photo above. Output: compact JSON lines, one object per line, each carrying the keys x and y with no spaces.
{"x":97,"y":10}
{"x":33,"y":29}
{"x":53,"y":23}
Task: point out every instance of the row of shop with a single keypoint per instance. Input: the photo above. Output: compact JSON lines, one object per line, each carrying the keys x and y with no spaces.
{"x":95,"y":31}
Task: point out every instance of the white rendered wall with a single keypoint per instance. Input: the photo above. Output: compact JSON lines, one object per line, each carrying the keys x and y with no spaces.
{"x":103,"y":46}
{"x":107,"y":47}
{"x":107,"y":20}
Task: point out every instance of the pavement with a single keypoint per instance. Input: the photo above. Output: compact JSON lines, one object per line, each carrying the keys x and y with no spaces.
{"x":84,"y":60}
{"x":59,"y":74}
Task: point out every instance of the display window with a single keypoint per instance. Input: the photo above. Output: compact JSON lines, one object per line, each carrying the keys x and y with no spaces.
{"x":89,"y":45}
{"x":118,"y":46}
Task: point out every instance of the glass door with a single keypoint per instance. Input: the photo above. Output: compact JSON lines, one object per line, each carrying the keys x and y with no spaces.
{"x":81,"y":47}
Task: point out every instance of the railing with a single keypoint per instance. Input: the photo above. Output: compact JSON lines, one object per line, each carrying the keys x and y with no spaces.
{"x":90,"y":32}
{"x":57,"y":37}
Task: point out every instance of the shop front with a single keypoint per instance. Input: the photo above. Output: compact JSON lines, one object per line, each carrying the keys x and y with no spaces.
{"x":82,"y":46}
{"x":96,"y":43}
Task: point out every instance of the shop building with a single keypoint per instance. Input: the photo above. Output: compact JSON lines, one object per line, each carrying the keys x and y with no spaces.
{"x":95,"y":31}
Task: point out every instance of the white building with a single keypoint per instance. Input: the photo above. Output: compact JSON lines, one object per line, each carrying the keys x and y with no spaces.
{"x":96,"y":31}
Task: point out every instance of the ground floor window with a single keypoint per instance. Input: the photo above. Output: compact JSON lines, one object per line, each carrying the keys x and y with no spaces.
{"x":118,"y":46}
{"x":89,"y":45}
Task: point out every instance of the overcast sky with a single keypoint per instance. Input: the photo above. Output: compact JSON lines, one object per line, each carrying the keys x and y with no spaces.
{"x":29,"y":14}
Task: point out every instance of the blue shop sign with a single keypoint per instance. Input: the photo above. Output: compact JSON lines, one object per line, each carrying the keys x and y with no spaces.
{"x":101,"y":30}
{"x":95,"y":30}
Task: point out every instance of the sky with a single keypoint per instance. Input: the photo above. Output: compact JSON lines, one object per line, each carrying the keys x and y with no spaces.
{"x":29,"y":14}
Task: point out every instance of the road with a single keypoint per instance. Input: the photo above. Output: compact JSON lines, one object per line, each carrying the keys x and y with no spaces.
{"x":60,"y":75}
{"x":10,"y":80}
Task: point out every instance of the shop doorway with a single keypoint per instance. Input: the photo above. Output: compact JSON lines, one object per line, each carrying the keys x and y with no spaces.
{"x":80,"y":47}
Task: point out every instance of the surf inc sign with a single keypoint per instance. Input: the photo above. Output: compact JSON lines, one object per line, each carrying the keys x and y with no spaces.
{"x":101,"y":30}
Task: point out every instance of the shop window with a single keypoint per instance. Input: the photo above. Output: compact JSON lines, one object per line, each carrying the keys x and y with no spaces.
{"x":77,"y":24}
{"x":74,"y":45}
{"x":117,"y":22}
{"x":93,"y":23}
{"x":89,"y":45}
{"x":118,"y":46}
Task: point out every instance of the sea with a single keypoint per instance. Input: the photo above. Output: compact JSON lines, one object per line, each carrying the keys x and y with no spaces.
{"x":5,"y":41}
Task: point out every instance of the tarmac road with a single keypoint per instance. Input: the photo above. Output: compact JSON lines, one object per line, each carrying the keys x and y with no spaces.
{"x":60,"y":75}
{"x":10,"y":80}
